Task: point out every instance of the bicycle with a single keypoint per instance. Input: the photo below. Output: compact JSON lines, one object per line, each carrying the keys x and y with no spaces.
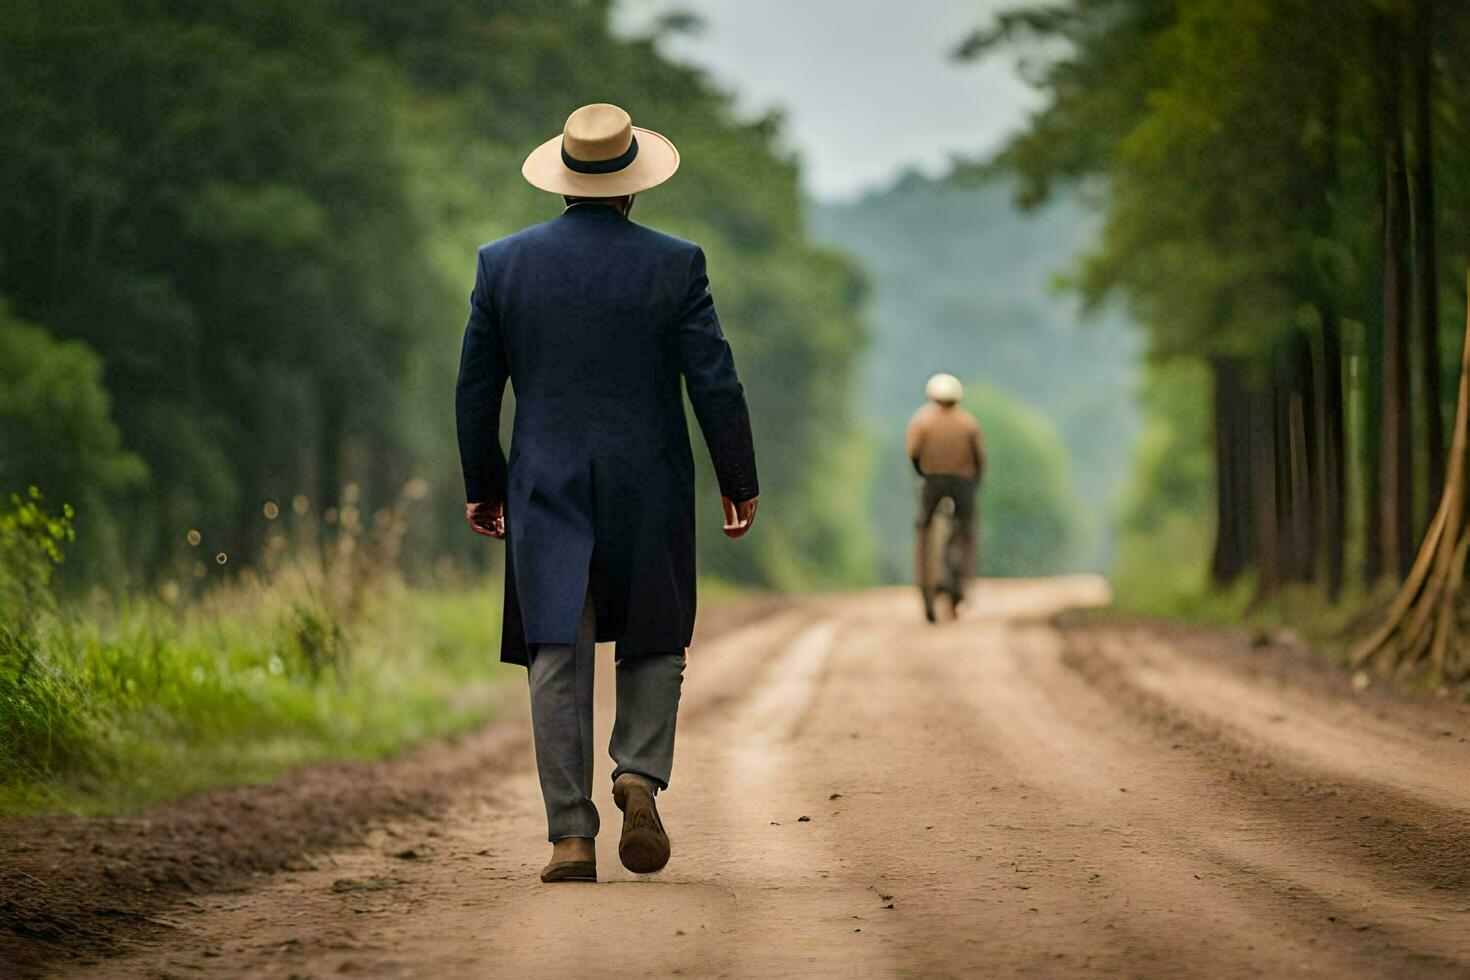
{"x":944,"y":565}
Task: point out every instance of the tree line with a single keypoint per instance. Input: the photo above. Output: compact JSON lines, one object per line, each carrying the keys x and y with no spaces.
{"x":1272,"y":175}
{"x":237,"y":237}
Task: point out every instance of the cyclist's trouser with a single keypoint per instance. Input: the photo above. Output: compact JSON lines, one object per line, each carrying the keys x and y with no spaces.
{"x":960,"y":489}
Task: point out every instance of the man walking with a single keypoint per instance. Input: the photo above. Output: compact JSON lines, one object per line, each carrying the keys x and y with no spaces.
{"x":594,"y":320}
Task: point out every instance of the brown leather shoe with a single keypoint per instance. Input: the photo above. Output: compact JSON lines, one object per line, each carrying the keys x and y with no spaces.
{"x":644,"y":847}
{"x":569,"y":871}
{"x":572,"y":859}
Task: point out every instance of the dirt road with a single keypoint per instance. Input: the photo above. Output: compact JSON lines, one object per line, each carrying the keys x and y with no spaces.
{"x":859,"y":795}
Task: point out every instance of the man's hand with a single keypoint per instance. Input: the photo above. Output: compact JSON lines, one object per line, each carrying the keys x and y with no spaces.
{"x":487,"y":518}
{"x":739,"y":517}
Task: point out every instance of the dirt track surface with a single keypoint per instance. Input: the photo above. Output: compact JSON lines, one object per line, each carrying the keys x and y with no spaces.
{"x":859,"y":795}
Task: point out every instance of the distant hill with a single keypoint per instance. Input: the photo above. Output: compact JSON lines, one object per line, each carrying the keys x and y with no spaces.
{"x":962,"y":283}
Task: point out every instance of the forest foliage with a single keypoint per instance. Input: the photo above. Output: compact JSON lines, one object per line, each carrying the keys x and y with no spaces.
{"x":236,"y":244}
{"x":1031,"y":514}
{"x":1272,"y":176}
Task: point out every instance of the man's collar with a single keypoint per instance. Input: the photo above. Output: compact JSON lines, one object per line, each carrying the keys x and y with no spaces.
{"x":591,"y":207}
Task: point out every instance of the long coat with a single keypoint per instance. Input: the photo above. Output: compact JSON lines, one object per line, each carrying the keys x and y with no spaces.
{"x":594,"y":319}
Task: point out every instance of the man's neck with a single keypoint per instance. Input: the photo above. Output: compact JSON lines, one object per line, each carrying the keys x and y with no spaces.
{"x":620,"y":205}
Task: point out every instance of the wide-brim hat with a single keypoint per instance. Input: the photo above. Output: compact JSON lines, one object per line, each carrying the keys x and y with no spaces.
{"x":600,"y":153}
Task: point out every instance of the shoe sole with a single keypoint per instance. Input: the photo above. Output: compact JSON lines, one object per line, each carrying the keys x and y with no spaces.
{"x":644,"y":846}
{"x":569,"y":871}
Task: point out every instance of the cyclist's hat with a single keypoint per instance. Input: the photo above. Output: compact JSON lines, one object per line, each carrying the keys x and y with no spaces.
{"x":944,"y":388}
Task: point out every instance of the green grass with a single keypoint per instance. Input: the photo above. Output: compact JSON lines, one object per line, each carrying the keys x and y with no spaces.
{"x":319,"y":652}
{"x":1328,"y":626}
{"x":110,"y":708}
{"x":1164,"y":575}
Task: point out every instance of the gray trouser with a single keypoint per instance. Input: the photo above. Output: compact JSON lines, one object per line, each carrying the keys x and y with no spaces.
{"x":561,"y":717}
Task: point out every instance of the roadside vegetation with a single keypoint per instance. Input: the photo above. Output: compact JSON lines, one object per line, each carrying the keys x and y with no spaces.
{"x":321,"y":652}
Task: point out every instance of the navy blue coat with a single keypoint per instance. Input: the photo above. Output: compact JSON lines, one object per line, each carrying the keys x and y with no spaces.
{"x":594,"y":319}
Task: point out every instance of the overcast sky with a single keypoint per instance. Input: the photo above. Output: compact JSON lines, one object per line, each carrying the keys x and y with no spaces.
{"x":868,"y":86}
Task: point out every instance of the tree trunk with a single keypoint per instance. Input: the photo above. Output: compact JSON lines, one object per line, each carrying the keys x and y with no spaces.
{"x":1367,"y":399}
{"x":1423,"y":619}
{"x":1301,"y":473}
{"x":1426,"y":259}
{"x":1264,"y":483}
{"x":1396,"y":448}
{"x":1332,"y":449}
{"x":1232,"y":473}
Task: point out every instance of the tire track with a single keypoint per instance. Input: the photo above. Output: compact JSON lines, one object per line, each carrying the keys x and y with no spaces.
{"x":1409,"y":825}
{"x":1356,"y":853}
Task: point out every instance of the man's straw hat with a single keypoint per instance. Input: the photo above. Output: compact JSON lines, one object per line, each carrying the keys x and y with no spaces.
{"x":600,"y":153}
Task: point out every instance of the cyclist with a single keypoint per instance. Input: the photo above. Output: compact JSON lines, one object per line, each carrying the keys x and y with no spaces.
{"x":944,"y":444}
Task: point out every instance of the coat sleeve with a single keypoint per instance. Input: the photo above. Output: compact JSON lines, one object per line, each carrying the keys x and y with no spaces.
{"x":482,"y":375}
{"x":714,"y":388}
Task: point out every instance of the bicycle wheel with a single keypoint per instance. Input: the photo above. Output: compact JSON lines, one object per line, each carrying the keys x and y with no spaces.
{"x":940,"y":539}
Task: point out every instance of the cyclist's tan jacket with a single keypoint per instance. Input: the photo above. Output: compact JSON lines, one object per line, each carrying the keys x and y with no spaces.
{"x":945,"y":440}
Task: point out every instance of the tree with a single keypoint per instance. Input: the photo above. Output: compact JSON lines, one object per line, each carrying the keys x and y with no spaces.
{"x":1396,"y":469}
{"x":57,"y":432}
{"x":1425,"y":269}
{"x":1422,"y":622}
{"x":1028,"y":510}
